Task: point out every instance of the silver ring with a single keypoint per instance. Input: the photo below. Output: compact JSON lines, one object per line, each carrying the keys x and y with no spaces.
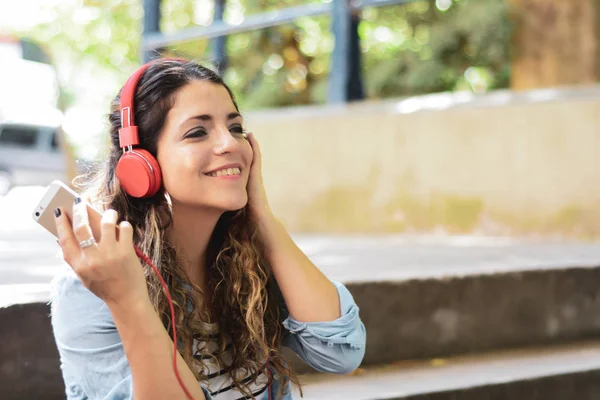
{"x":222,"y":151}
{"x":87,"y":243}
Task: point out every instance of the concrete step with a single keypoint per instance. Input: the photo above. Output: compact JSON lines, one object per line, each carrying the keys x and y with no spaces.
{"x":420,"y":297}
{"x":567,"y":372}
{"x":441,"y":317}
{"x":437,"y":297}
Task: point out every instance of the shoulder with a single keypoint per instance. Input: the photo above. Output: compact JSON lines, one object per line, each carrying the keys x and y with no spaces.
{"x":67,"y":290}
{"x":75,"y":311}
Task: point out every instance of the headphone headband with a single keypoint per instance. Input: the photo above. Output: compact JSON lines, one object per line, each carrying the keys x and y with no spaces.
{"x":128,"y":134}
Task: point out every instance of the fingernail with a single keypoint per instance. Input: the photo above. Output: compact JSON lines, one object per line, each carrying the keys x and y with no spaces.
{"x":77,"y":200}
{"x":57,"y":212}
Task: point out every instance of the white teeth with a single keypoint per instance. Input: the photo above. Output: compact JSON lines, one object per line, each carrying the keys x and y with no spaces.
{"x":226,"y":171}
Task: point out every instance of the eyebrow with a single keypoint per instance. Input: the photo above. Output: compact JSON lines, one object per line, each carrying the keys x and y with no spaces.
{"x":208,"y":117}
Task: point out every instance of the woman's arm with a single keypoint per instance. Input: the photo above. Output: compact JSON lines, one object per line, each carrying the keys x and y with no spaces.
{"x":111,"y":271}
{"x":324,"y":324}
{"x":149,"y":350}
{"x":336,"y":346}
{"x":324,"y":327}
{"x":92,"y":355}
{"x":309,"y":295}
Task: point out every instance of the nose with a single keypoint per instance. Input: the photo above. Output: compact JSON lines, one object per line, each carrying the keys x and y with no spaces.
{"x":224,"y":141}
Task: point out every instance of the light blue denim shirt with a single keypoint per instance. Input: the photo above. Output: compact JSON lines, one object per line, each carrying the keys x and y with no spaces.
{"x":94,"y":365}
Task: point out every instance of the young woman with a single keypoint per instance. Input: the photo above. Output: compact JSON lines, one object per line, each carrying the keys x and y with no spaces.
{"x":241,"y":288}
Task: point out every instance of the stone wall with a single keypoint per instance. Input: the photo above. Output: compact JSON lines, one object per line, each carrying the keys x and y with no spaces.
{"x":501,"y":163}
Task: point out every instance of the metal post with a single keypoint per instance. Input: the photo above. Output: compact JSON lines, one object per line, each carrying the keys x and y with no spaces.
{"x":355,"y":80}
{"x":151,"y":26}
{"x":218,"y":44}
{"x":338,"y":76}
{"x":345,"y":77}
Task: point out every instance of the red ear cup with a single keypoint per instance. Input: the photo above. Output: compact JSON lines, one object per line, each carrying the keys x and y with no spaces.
{"x":139,"y":173}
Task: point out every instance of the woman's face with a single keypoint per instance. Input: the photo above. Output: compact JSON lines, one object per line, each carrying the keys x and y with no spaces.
{"x":204,"y":157}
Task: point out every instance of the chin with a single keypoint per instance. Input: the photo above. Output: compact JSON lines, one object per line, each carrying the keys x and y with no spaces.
{"x":234,"y":204}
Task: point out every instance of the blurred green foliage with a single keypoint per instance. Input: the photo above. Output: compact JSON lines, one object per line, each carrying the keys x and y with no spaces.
{"x":421,"y":47}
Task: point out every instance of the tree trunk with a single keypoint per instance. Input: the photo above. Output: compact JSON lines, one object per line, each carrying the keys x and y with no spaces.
{"x":556,"y":43}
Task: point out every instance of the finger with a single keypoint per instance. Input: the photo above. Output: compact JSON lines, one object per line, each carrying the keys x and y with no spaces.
{"x":66,"y":237}
{"x":81,"y":225}
{"x":125,"y":235}
{"x":255,"y":150}
{"x":108,"y":228}
{"x":80,"y":215}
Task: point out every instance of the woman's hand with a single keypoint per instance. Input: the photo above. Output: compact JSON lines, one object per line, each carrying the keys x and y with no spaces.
{"x":257,"y":196}
{"x":110,"y":268}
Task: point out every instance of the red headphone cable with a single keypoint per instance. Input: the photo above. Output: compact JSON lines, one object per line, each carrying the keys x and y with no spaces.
{"x":147,"y":260}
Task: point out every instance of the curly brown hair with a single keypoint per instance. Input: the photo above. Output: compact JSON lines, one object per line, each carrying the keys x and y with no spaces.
{"x":246,"y":300}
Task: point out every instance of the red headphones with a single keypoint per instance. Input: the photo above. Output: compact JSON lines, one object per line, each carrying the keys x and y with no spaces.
{"x":138,"y":171}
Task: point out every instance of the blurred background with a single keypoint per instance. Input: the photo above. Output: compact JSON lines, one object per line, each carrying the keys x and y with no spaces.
{"x":438,"y":156}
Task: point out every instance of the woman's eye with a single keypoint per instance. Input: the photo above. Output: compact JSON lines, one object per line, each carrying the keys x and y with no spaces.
{"x":237,"y":129}
{"x":196,"y":133}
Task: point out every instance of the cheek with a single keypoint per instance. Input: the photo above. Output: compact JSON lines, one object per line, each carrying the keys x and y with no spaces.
{"x":177,"y":167}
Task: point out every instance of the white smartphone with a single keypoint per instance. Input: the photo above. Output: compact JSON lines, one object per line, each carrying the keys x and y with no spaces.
{"x":61,"y":195}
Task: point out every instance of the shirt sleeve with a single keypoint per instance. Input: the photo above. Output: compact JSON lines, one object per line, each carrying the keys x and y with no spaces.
{"x":335,"y":346}
{"x":92,"y":357}
{"x":93,"y":361}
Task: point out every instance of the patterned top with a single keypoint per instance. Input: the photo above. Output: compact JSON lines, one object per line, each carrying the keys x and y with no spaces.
{"x":220,"y":384}
{"x":94,"y":365}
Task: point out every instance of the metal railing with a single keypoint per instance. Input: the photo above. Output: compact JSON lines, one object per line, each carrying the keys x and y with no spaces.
{"x":345,"y":78}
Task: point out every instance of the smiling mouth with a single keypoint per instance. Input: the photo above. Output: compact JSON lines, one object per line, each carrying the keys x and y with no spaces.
{"x":225,"y":172}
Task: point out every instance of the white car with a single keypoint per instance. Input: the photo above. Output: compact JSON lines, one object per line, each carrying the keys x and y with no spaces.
{"x":30,"y":122}
{"x":30,"y":155}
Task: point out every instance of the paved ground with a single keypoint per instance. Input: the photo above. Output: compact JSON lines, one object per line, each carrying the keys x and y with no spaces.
{"x":28,"y":254}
